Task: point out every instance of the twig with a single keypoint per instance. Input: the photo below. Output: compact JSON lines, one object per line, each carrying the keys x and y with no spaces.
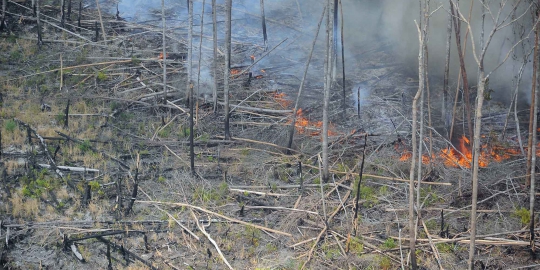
{"x":219,"y":215}
{"x":201,"y":228}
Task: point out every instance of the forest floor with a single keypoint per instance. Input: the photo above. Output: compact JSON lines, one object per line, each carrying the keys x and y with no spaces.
{"x":249,"y":200}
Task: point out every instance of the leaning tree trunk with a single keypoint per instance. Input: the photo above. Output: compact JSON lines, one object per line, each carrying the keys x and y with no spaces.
{"x":228,"y":7}
{"x":327,"y":85}
{"x":295,"y":111}
{"x":457,"y":25}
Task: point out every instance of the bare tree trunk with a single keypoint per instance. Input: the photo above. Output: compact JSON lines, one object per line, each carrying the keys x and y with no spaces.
{"x":415,"y":147}
{"x":532,"y":115}
{"x":3,"y":19}
{"x":215,"y":42}
{"x":103,"y":33}
{"x":344,"y":94}
{"x":334,"y":40}
{"x":63,"y":13}
{"x":38,"y":15}
{"x":295,"y":111}
{"x":446,"y":87}
{"x":327,"y":85}
{"x":457,"y":25}
{"x":190,"y":87}
{"x":200,"y":59}
{"x":79,"y":17}
{"x":534,"y":111}
{"x":475,"y":166}
{"x":482,"y":81}
{"x":263,"y":20}
{"x":190,"y":53}
{"x":228,"y":8}
{"x":164,"y":49}
{"x":68,"y":17}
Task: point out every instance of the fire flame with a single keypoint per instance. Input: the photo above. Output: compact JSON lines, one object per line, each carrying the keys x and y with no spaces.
{"x":235,"y":71}
{"x":461,"y":156}
{"x":303,"y":125}
{"x":281,"y":99}
{"x":161,"y":55}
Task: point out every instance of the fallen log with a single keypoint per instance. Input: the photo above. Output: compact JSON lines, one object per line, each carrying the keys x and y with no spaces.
{"x":259,"y":110}
{"x":71,"y":169}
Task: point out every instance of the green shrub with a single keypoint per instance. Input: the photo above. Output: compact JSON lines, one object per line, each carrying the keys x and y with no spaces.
{"x":523,"y":214}
{"x":85,"y":146}
{"x":389,"y":243}
{"x":10,"y":125}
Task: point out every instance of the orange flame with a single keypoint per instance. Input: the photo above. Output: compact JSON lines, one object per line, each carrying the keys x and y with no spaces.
{"x":281,"y":99}
{"x":461,"y":156}
{"x":235,"y":71}
{"x":161,"y":55}
{"x":303,"y":125}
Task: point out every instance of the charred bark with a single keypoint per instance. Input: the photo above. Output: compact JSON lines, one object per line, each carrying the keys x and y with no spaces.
{"x":39,"y":34}
{"x":66,"y":116}
{"x":263,"y":20}
{"x":3,"y":19}
{"x":63,"y":13}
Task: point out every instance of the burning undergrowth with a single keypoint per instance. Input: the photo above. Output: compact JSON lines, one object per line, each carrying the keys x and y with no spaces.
{"x":461,"y":155}
{"x":303,"y":124}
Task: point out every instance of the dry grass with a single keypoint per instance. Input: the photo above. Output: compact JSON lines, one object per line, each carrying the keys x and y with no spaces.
{"x":27,"y":208}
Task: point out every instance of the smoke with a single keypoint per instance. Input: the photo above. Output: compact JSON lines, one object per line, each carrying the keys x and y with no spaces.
{"x":394,"y":22}
{"x":368,"y":24}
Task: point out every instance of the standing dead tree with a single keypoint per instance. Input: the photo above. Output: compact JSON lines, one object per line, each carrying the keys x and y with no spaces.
{"x":421,"y":73}
{"x":532,"y":137}
{"x":327,"y":86}
{"x":499,"y":21}
{"x":63,"y":13}
{"x":446,"y":87}
{"x":3,"y":19}
{"x":295,"y":111}
{"x":200,"y":53}
{"x":263,"y":20}
{"x":68,"y":15}
{"x":463,"y":71}
{"x":191,"y":100}
{"x":227,"y":69}
{"x":344,"y":94}
{"x":38,"y":15}
{"x":215,"y":43}
{"x":164,"y":49}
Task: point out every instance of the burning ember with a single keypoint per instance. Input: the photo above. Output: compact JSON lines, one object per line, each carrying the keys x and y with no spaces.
{"x":161,"y":55}
{"x":461,"y":156}
{"x":303,"y":125}
{"x":281,"y":99}
{"x":235,"y":71}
